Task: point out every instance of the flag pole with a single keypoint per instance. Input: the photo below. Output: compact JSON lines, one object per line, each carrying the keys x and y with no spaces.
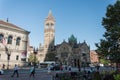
{"x":7,"y":52}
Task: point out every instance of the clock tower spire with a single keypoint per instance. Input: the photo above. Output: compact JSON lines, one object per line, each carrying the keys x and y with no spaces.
{"x":49,"y":32}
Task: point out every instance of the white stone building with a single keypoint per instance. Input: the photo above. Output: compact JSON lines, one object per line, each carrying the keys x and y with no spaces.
{"x":16,"y":42}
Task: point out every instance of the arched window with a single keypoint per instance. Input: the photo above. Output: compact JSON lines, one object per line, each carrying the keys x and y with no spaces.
{"x":18,"y":41}
{"x":10,"y":39}
{"x":17,"y":57}
{"x":1,"y":37}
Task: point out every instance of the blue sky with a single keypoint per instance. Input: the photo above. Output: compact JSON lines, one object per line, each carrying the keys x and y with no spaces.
{"x":82,"y":18}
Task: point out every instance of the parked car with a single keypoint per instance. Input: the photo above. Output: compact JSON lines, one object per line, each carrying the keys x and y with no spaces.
{"x":55,"y":67}
{"x":1,"y":72}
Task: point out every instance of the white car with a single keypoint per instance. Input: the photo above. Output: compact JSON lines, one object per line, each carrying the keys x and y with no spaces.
{"x":1,"y":72}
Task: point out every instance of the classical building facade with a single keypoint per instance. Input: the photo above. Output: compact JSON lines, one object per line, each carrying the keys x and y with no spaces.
{"x":13,"y":44}
{"x":66,"y":53}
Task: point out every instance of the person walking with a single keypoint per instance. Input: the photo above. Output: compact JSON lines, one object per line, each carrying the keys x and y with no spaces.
{"x":15,"y":71}
{"x":69,"y":68}
{"x":32,"y":71}
{"x":3,"y":66}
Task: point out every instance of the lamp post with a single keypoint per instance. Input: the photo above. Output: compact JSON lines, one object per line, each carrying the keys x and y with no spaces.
{"x":78,"y":63}
{"x":35,"y":52}
{"x":56,"y":59}
{"x":8,"y":56}
{"x":84,"y":61}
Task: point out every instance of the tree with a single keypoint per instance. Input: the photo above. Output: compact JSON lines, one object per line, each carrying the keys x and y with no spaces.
{"x":109,"y":47}
{"x":32,"y":58}
{"x":50,"y":56}
{"x":104,"y":61}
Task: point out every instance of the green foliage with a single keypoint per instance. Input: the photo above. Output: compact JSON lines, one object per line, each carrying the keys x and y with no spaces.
{"x":117,"y":77}
{"x":50,"y":56}
{"x":32,"y":58}
{"x":104,"y":61}
{"x":109,"y":46}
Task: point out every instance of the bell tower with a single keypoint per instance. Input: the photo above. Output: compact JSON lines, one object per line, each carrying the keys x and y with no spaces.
{"x":49,"y":33}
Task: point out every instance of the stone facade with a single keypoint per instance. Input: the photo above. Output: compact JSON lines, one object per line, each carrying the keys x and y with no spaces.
{"x":78,"y":56}
{"x":49,"y":37}
{"x":13,"y":41}
{"x":67,"y":53}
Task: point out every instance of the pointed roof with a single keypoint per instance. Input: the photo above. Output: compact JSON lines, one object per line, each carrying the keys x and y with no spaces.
{"x":50,"y":17}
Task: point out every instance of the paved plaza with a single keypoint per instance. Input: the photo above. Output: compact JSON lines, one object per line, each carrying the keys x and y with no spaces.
{"x":41,"y":74}
{"x":24,"y":75}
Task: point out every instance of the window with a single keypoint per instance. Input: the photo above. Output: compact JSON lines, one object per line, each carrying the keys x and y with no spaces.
{"x":1,"y":37}
{"x":52,"y":24}
{"x":64,"y":54}
{"x":18,"y":41}
{"x":17,"y":57}
{"x":23,"y":59}
{"x":47,"y":24}
{"x":84,"y":54}
{"x":10,"y":40}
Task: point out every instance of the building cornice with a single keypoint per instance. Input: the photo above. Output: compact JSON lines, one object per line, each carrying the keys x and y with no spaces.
{"x":5,"y":27}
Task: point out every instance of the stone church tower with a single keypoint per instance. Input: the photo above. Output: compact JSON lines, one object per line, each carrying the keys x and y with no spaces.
{"x":67,"y":53}
{"x":49,"y":33}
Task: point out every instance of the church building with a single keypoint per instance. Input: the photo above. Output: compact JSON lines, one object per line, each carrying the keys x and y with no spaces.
{"x":67,"y":53}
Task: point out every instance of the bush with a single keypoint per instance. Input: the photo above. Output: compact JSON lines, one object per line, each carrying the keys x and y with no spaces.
{"x":117,"y":77}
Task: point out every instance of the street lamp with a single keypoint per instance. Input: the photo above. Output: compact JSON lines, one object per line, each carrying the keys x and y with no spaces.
{"x":84,"y":60}
{"x":78,"y":63}
{"x":35,"y":52}
{"x":8,"y":56}
{"x":56,"y":59}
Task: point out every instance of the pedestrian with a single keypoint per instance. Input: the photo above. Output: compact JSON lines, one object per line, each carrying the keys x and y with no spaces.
{"x":3,"y":66}
{"x":69,"y":68}
{"x":49,"y":69}
{"x":32,"y":71}
{"x":15,"y":71}
{"x":65,"y":67}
